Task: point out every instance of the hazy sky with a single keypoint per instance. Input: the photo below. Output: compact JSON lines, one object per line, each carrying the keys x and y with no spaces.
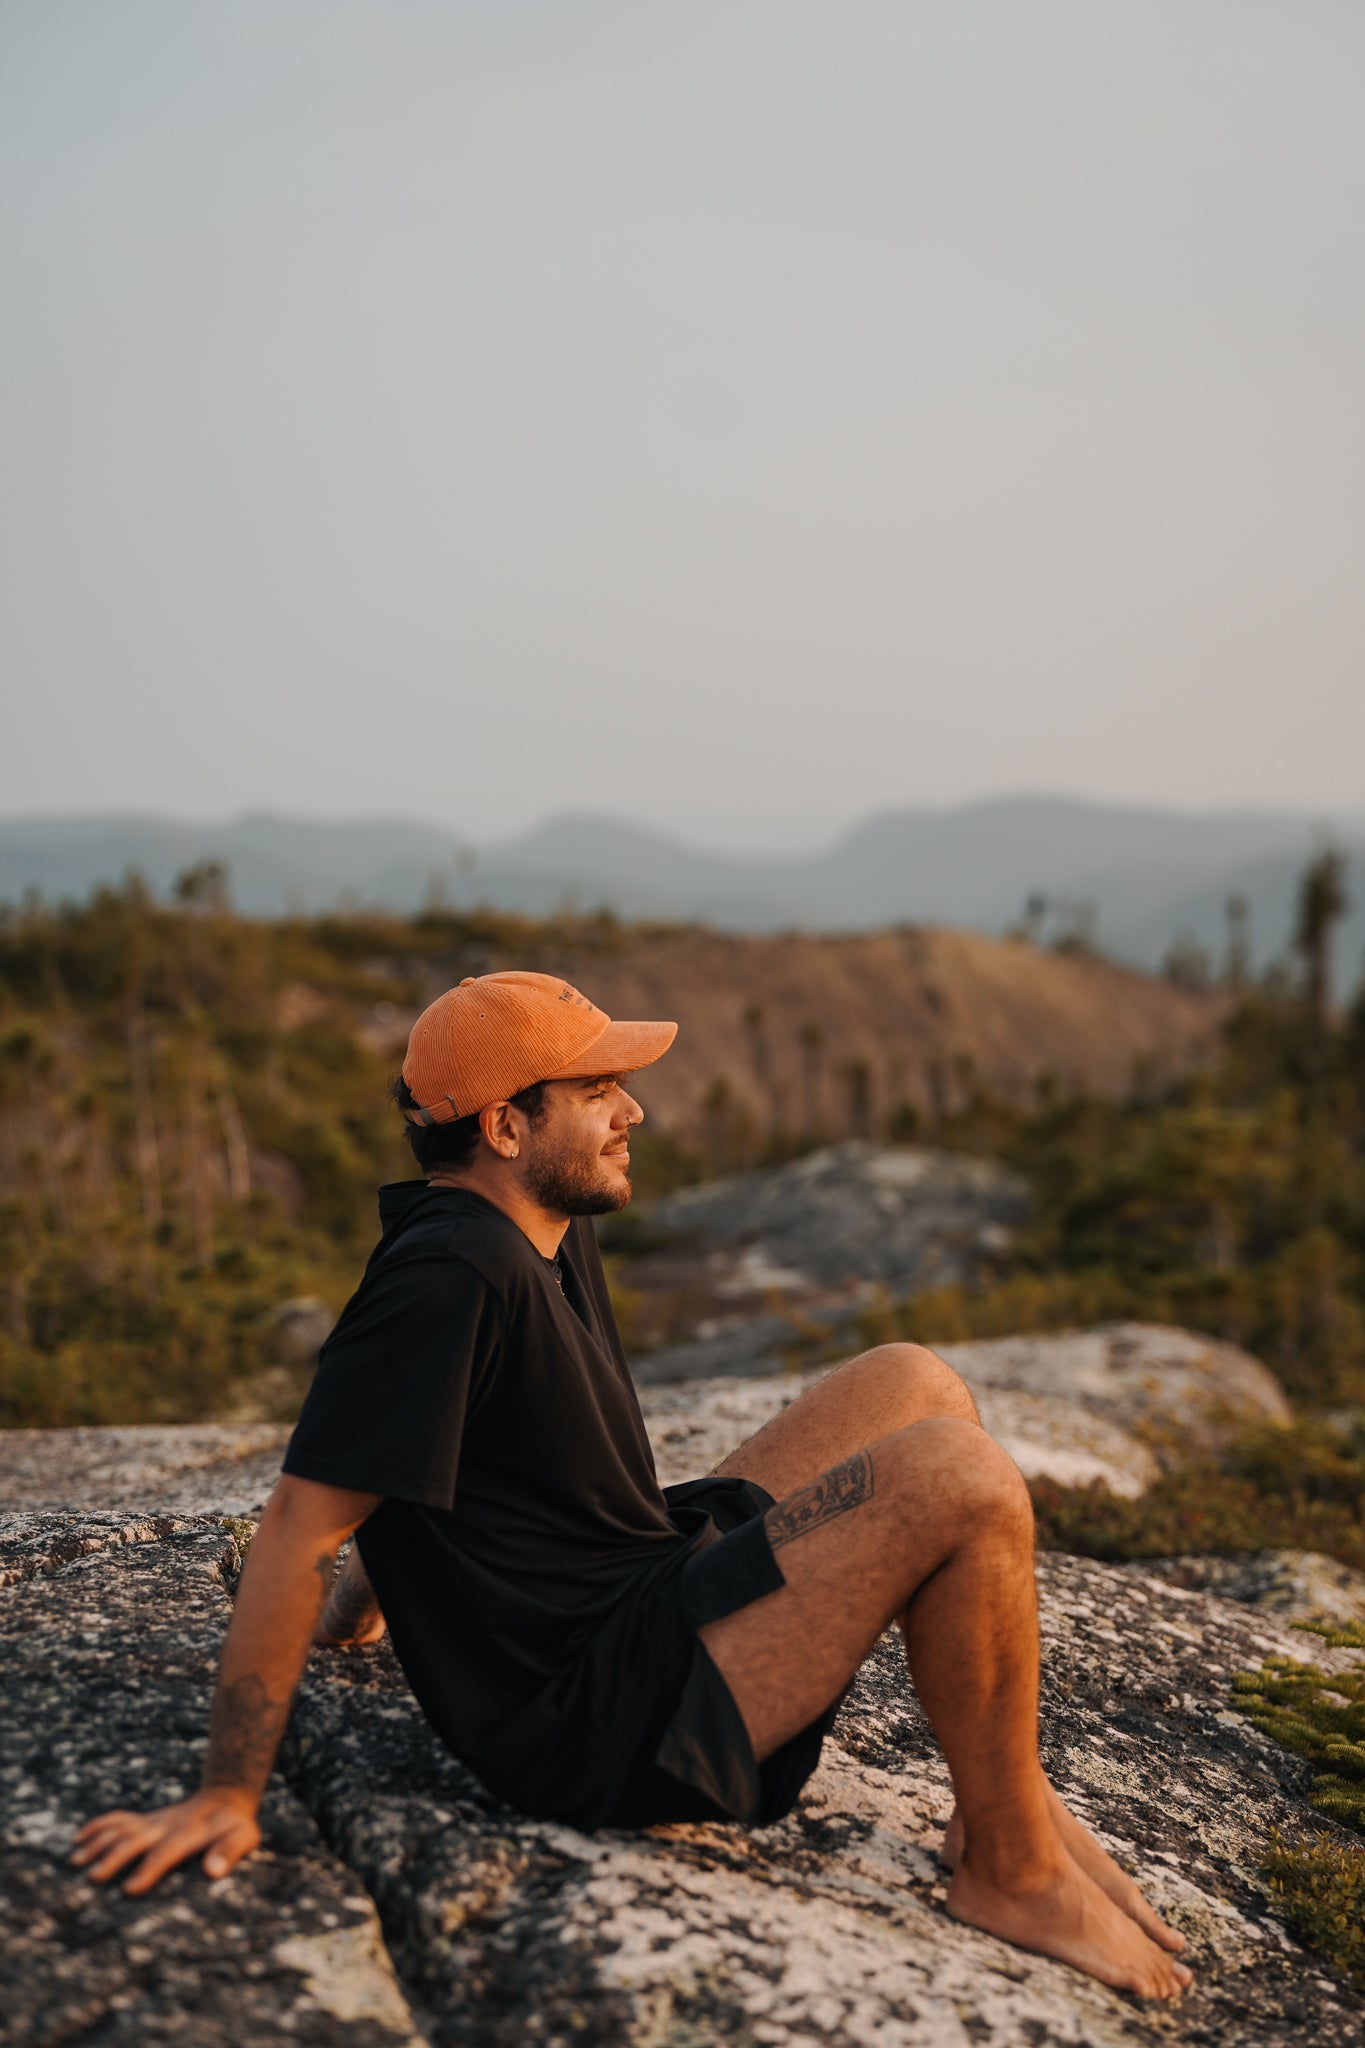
{"x":736,"y":414}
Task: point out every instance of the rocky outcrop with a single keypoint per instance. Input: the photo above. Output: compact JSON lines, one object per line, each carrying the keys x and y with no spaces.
{"x":1104,"y":1404}
{"x":109,"y":1633}
{"x":1297,"y":1585}
{"x":826,"y":1929}
{"x":903,"y":1216}
{"x":1176,"y":1391}
{"x":735,"y":1265}
{"x":1112,"y":1404}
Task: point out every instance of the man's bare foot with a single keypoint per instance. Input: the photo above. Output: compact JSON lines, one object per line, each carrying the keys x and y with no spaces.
{"x":1095,"y":1861}
{"x":1062,"y":1913}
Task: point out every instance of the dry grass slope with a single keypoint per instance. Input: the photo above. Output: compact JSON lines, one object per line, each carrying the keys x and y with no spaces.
{"x":910,"y":1005}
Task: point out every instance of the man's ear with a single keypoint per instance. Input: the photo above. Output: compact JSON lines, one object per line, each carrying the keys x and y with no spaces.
{"x":498,"y":1124}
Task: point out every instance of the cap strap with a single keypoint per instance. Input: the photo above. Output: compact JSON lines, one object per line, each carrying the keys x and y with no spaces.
{"x":424,"y":1116}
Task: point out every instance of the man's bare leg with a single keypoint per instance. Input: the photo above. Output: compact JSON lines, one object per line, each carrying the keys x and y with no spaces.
{"x":868,"y":1397}
{"x":855,"y":1404}
{"x":933,"y":1526}
{"x":1094,"y":1860}
{"x":350,"y":1617}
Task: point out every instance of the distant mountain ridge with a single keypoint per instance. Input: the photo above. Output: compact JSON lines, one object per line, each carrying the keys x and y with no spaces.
{"x":1149,"y":875}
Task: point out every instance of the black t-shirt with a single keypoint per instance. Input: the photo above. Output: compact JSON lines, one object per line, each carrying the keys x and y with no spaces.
{"x":523,"y":1547}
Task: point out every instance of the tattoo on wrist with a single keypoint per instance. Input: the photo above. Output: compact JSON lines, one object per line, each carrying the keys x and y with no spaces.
{"x":245,"y":1727}
{"x":846,"y":1486}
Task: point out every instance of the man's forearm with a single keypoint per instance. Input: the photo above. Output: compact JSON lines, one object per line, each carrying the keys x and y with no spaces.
{"x":285,"y":1582}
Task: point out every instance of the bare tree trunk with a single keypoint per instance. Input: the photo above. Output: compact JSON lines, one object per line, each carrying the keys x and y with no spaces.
{"x":146,"y":1148}
{"x":856,"y":1076}
{"x":812,"y":1066}
{"x":234,"y":1142}
{"x":201,"y":1186}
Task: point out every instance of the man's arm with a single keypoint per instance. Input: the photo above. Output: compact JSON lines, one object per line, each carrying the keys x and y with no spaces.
{"x":352,"y":1617}
{"x":287,"y":1577}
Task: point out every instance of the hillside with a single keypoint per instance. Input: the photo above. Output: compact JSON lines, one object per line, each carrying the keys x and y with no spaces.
{"x":1144,"y":876}
{"x":194,"y":1112}
{"x":849,"y":1029}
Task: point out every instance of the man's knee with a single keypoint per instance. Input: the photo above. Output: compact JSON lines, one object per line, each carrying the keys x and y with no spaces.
{"x":978,"y":1486}
{"x":930,"y":1381}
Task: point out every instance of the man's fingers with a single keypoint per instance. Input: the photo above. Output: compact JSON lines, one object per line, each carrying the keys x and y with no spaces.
{"x":115,"y":1854}
{"x":227,"y":1843}
{"x":235,"y":1843}
{"x":102,"y":1820}
{"x":155,"y":1842}
{"x":161,"y":1857}
{"x":105,"y":1827}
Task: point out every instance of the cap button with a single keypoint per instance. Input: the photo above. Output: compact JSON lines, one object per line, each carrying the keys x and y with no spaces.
{"x":468,"y":981}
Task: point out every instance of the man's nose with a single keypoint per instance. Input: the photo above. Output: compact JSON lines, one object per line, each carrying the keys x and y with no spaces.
{"x":628,"y":1110}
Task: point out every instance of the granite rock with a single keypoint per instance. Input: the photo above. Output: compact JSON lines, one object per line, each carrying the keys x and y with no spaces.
{"x":906,"y":1217}
{"x":1113,"y":1404}
{"x":826,"y":1929}
{"x":109,"y":1634}
{"x":1297,"y":1585}
{"x":752,"y":1255}
{"x":1178,"y":1391}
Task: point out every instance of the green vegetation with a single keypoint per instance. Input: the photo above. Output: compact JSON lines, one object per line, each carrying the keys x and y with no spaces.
{"x":193,"y":1119}
{"x":1318,"y":1884}
{"x":1320,"y":1716}
{"x":1232,"y":1202}
{"x":1319,"y":1887}
{"x":1292,"y":1489}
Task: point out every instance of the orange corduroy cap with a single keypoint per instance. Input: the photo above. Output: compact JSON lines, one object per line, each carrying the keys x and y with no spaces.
{"x":497,"y":1033}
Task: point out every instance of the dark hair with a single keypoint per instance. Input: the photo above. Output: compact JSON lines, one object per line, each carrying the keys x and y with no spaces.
{"x":455,"y":1144}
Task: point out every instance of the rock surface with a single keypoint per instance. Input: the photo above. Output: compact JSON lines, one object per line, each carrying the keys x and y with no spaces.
{"x":821,"y":1237}
{"x":1095,"y":1404}
{"x":1112,"y":1404}
{"x":1178,"y":1391}
{"x":906,"y":1216}
{"x":1299,"y":1585}
{"x":109,"y":1634}
{"x":826,"y":1929}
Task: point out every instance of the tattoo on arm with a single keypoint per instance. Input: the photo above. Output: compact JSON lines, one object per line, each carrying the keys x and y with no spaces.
{"x":245,"y":1727}
{"x":352,"y":1605}
{"x":846,"y":1486}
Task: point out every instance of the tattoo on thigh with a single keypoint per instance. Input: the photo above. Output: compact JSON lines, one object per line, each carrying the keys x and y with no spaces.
{"x":847,"y":1486}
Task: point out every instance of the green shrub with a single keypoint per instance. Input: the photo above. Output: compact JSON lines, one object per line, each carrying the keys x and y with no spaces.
{"x":1320,"y":1716}
{"x":1273,"y":1489}
{"x":1318,"y":1886}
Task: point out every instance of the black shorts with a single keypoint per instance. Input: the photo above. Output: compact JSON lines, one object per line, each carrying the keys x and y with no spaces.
{"x":698,"y":1762}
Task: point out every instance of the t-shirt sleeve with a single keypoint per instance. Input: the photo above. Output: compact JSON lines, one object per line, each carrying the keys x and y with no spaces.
{"x":415,"y":1347}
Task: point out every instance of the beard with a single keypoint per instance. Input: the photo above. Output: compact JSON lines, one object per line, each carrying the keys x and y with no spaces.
{"x":569,"y":1184}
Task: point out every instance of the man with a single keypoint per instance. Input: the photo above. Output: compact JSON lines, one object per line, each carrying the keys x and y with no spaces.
{"x":595,"y":1648}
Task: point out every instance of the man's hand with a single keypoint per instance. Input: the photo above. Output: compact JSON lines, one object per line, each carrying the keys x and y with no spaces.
{"x":288,"y":1573}
{"x":220,"y":1820}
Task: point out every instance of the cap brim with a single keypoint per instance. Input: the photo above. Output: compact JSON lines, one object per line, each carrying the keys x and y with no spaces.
{"x":622,"y":1049}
